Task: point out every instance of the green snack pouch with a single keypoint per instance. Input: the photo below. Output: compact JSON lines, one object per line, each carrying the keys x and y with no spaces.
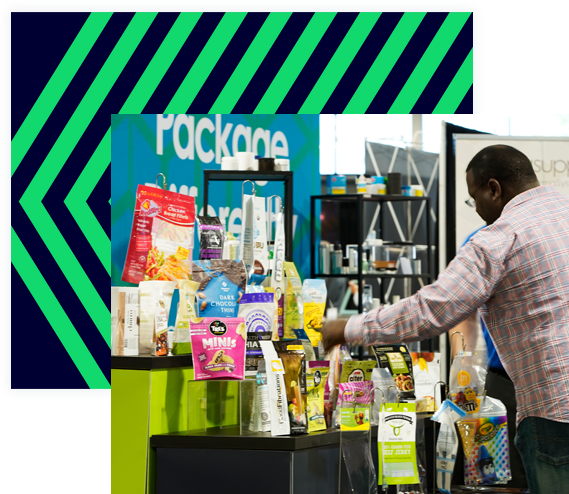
{"x":356,"y":371}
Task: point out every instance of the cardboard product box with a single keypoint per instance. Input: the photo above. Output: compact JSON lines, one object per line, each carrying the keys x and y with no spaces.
{"x":336,"y":184}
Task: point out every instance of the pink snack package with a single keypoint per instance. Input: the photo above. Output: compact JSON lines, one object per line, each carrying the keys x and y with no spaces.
{"x":218,"y":347}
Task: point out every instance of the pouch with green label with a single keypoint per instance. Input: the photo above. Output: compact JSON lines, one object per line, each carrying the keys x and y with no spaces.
{"x":316,"y":378}
{"x":396,"y":445}
{"x":354,"y":401}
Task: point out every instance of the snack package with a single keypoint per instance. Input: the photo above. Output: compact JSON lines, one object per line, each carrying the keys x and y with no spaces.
{"x":280,"y":289}
{"x":222,"y":283}
{"x":211,"y":234}
{"x":277,"y":275}
{"x":182,"y":343}
{"x":162,"y":236}
{"x":426,"y":371}
{"x":258,"y":311}
{"x":314,"y":297}
{"x":218,"y":347}
{"x":336,"y":356}
{"x":155,"y":299}
{"x":357,"y":371}
{"x":292,"y":355}
{"x":293,"y":303}
{"x":485,"y":443}
{"x":114,"y":318}
{"x":383,"y":380}
{"x":275,"y":335}
{"x":397,"y":456}
{"x":316,"y":378}
{"x":254,"y":239}
{"x":128,"y":321}
{"x":467,"y":378}
{"x":398,"y":360}
{"x":447,"y":443}
{"x":354,"y":403}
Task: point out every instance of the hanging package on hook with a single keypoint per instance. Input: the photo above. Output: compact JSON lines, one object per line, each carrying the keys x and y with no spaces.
{"x":396,"y":445}
{"x":162,"y":236}
{"x":485,"y":442}
{"x":468,"y":376}
{"x":447,"y":443}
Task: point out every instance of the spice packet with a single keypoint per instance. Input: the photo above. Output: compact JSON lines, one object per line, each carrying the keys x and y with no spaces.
{"x":314,"y":297}
{"x":399,"y":362}
{"x":257,"y":309}
{"x":162,"y":236}
{"x":357,"y":371}
{"x":155,"y":299}
{"x":354,"y":403}
{"x":292,"y":355}
{"x":316,"y":378}
{"x":128,"y":321}
{"x":182,"y":344}
{"x":396,"y":445}
{"x":222,"y":283}
{"x":485,"y":443}
{"x":211,"y":234}
{"x":218,"y":347}
{"x":426,"y":372}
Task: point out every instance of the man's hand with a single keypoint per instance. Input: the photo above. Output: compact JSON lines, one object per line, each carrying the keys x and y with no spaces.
{"x":333,"y":333}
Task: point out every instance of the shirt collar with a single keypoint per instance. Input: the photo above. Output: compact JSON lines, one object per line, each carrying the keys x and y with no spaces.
{"x":534,"y":193}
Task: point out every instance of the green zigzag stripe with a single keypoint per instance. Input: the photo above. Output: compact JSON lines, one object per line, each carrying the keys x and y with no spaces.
{"x":250,"y":62}
{"x":32,"y":199}
{"x":56,"y":86}
{"x":56,"y":316}
{"x":295,"y":62}
{"x":384,"y":62}
{"x":458,"y":88}
{"x":205,"y":62}
{"x":429,"y":62}
{"x":339,"y":63}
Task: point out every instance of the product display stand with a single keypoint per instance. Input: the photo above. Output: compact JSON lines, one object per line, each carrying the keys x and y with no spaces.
{"x":230,"y":405}
{"x":272,"y":176}
{"x":147,"y":398}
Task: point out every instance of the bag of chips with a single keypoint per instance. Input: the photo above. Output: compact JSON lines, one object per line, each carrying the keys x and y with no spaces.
{"x":218,"y":347}
{"x":161,"y":238}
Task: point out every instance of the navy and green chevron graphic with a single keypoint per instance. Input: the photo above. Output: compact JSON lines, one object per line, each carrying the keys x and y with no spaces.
{"x":70,"y":72}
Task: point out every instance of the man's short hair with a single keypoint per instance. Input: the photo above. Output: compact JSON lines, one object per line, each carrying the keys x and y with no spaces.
{"x":503,"y":163}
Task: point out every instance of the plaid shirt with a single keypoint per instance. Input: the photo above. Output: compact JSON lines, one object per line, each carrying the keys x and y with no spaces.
{"x":516,"y":272}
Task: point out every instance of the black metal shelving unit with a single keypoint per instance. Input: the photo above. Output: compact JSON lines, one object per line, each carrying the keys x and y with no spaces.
{"x":273,"y":176}
{"x":360,"y":199}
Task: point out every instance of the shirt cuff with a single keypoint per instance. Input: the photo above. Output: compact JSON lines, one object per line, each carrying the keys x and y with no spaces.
{"x":354,"y":332}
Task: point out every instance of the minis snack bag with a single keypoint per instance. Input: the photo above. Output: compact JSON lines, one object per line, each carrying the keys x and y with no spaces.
{"x":218,"y":347}
{"x":162,"y":236}
{"x":222,"y":283}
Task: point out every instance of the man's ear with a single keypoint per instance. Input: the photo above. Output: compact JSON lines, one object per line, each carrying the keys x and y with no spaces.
{"x":495,"y":189}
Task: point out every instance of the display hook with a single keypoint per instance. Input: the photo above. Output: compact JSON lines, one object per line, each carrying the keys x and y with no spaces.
{"x":243,"y":187}
{"x":462,"y":337}
{"x":164,"y":184}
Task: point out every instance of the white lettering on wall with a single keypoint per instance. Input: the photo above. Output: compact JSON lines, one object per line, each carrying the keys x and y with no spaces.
{"x":204,"y":124}
{"x":188,"y":151}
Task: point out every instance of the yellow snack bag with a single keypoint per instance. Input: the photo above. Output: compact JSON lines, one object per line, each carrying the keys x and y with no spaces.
{"x":316,"y":378}
{"x":314,"y":296}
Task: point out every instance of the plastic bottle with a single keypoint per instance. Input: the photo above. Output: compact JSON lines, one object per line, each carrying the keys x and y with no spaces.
{"x":365,"y":264}
{"x":368,"y":298}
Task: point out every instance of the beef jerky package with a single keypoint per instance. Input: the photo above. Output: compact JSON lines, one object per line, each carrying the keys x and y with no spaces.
{"x":222,"y":283}
{"x":211,"y":234}
{"x":292,"y":355}
{"x":161,"y":238}
{"x":398,"y":360}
